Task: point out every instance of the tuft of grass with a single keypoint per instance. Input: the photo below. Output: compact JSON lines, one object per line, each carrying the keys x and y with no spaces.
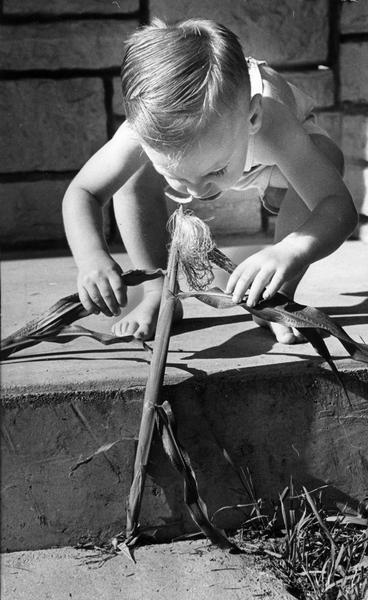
{"x":318,"y":556}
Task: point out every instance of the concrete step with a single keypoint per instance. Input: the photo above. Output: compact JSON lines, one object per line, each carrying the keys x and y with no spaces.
{"x":276,"y":409}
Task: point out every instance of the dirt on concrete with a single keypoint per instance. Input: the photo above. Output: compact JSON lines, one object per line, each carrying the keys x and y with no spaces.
{"x":189,"y":570}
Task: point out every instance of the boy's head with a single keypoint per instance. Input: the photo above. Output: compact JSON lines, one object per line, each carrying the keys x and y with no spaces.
{"x":176,"y":78}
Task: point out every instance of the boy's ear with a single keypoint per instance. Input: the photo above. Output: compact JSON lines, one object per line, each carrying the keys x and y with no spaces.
{"x":255,"y":114}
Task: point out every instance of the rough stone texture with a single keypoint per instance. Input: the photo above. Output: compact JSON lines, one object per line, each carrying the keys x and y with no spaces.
{"x":331,"y":121}
{"x":31,"y":211}
{"x":354,"y":17}
{"x":353,"y":68}
{"x":235,"y":212}
{"x":90,"y":44}
{"x":59,"y":7}
{"x":182,"y":570}
{"x":302,"y":27}
{"x":51,"y":494}
{"x":50,"y":125}
{"x":355,"y":137}
{"x":117,"y":105}
{"x":356,"y":178}
{"x":318,"y":84}
{"x":277,"y":424}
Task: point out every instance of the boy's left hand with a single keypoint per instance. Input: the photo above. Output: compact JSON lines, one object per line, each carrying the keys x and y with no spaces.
{"x":264,"y":273}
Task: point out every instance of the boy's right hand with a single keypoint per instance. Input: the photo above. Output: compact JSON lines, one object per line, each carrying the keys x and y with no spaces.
{"x":100,"y":286}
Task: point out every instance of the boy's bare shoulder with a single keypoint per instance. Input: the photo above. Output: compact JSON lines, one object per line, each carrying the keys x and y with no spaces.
{"x":126,"y":139}
{"x":112,"y":165}
{"x":124,"y":150}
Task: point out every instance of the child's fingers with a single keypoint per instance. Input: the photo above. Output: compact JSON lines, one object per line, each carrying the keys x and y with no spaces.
{"x":242,"y":284}
{"x":87,"y":302}
{"x":98,"y":300}
{"x":274,"y":286}
{"x":231,"y":282}
{"x":119,"y":289}
{"x":108,"y":298}
{"x":259,"y":283}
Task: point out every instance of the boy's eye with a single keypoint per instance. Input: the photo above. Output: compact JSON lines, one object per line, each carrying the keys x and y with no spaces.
{"x":220,"y":172}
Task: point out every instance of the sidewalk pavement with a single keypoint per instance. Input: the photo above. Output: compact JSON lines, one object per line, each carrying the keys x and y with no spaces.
{"x":181,"y":570}
{"x":211,"y":340}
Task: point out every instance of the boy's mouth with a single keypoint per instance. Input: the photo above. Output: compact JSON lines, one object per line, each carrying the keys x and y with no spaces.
{"x":185,"y":199}
{"x":205,"y":198}
{"x":177,"y":196}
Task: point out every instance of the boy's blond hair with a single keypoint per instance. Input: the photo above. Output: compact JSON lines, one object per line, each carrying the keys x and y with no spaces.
{"x":175,"y":78}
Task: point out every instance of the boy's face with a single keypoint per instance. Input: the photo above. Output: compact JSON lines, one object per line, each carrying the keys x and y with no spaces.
{"x":214,"y":162}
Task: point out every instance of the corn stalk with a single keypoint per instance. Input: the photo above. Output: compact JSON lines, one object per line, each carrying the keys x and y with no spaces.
{"x":152,"y":395}
{"x":154,"y":409}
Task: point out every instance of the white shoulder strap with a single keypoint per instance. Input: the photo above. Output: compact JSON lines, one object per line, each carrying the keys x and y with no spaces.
{"x":256,"y":83}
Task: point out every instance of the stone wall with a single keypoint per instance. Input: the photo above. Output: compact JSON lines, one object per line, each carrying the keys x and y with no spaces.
{"x":59,"y":99}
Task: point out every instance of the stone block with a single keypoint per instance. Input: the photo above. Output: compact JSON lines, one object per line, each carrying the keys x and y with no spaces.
{"x":31,"y":211}
{"x":89,"y":44}
{"x":237,"y":212}
{"x":353,"y":69}
{"x":354,"y":17}
{"x":288,"y":32}
{"x":50,"y":125}
{"x":355,"y":137}
{"x":116,"y":122}
{"x":74,"y":7}
{"x":331,"y":122}
{"x":117,"y":104}
{"x":319,"y":84}
{"x":356,"y":179}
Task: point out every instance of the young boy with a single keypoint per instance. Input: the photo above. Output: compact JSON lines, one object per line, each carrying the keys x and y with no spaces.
{"x":202,"y":119}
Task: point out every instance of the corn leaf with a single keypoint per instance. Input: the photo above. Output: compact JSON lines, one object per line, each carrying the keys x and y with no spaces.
{"x":55,"y":319}
{"x":317,"y":318}
{"x":180,"y":459}
{"x":101,"y":450}
{"x":281,"y":309}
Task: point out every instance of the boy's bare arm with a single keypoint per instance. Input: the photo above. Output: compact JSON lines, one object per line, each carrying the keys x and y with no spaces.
{"x":319,"y":184}
{"x":99,"y":282}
